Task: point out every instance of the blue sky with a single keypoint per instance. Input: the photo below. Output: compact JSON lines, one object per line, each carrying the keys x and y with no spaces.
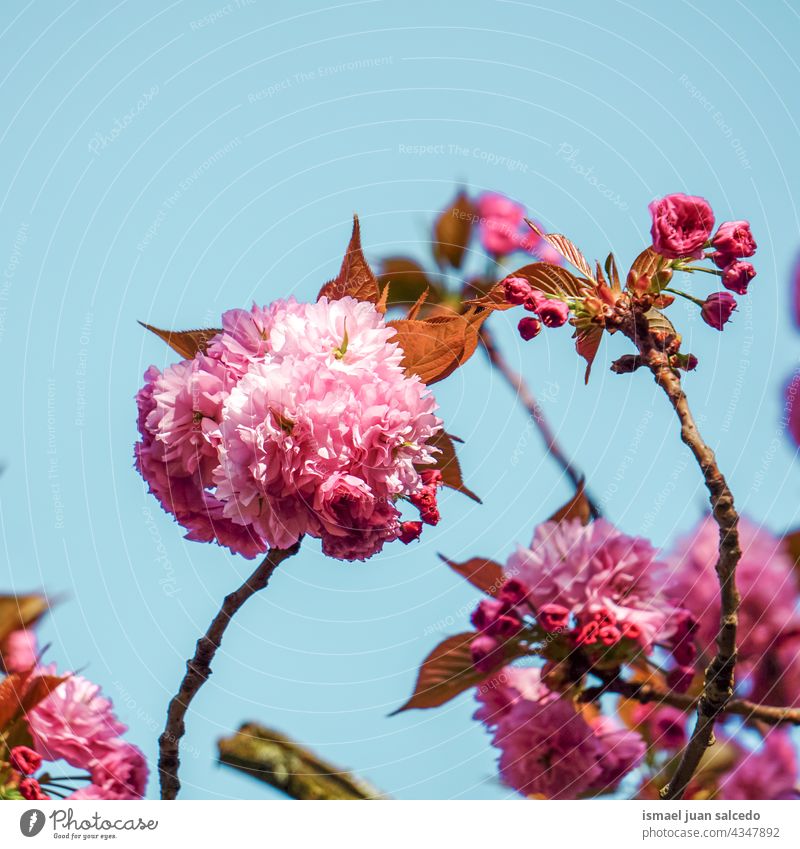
{"x":165,"y":162}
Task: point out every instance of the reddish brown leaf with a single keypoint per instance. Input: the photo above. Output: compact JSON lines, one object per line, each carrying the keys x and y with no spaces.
{"x":39,"y":688}
{"x":452,"y":231}
{"x":20,"y":611}
{"x":484,"y":574}
{"x":186,"y":342}
{"x":448,"y":671}
{"x":566,"y":248}
{"x":544,"y":276}
{"x":413,"y":311}
{"x":645,"y":265}
{"x":12,"y":688}
{"x":588,"y":337}
{"x":448,"y":465}
{"x":659,"y":323}
{"x":576,"y":508}
{"x":355,"y":277}
{"x":436,"y":347}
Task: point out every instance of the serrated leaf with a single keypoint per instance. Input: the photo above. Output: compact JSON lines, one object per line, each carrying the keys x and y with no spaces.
{"x":355,"y":277}
{"x":577,"y":507}
{"x":544,"y":276}
{"x":20,"y":611}
{"x":588,"y":337}
{"x":414,"y":310}
{"x":446,"y":672}
{"x":485,"y":574}
{"x":408,"y":280}
{"x":452,"y":231}
{"x":613,"y":273}
{"x":186,"y":342}
{"x":435,"y":347}
{"x":448,"y":465}
{"x":566,"y":248}
{"x":645,"y":265}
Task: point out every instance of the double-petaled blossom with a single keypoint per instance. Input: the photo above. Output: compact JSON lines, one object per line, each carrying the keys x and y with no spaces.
{"x":717,"y":309}
{"x":298,"y":420}
{"x":548,"y":748}
{"x":594,"y":587}
{"x":768,"y":635}
{"x":681,"y":225}
{"x":737,"y":276}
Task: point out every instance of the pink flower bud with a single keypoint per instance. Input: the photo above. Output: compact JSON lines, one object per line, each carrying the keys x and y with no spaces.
{"x":483,"y":649}
{"x":529,"y":328}
{"x":514,"y":592}
{"x":553,"y":617}
{"x":486,"y":612}
{"x":432,"y":477}
{"x":553,"y":313}
{"x":517,"y":290}
{"x":737,"y":276}
{"x":505,"y":626}
{"x":717,"y":309}
{"x":30,"y":790}
{"x":409,"y":531}
{"x":681,"y":225}
{"x":534,"y":300}
{"x":609,"y":635}
{"x":25,"y":760}
{"x":735,"y":239}
{"x":587,"y":634}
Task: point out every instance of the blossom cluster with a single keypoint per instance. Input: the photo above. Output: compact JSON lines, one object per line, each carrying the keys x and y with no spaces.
{"x":589,"y":600}
{"x":587,"y":590}
{"x":298,"y":419}
{"x":73,"y":724}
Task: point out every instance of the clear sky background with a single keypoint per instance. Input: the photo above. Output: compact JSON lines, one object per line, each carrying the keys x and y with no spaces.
{"x":250,"y":137}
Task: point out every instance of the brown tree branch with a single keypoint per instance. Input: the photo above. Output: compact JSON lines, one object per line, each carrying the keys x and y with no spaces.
{"x":719,"y":676}
{"x":534,"y":409}
{"x":275,"y":759}
{"x":198,"y":669}
{"x":650,"y":694}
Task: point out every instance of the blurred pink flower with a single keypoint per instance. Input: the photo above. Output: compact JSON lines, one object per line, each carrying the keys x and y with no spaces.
{"x":119,"y":772}
{"x":770,"y":772}
{"x":73,"y":721}
{"x":20,"y":650}
{"x":601,"y":576}
{"x":769,"y":595}
{"x":501,"y":222}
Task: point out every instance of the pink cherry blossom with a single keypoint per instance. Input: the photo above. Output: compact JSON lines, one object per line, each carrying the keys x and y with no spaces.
{"x":119,"y":772}
{"x":73,"y":721}
{"x":681,"y":225}
{"x":770,"y":772}
{"x":767,"y":584}
{"x":600,"y":576}
{"x":20,"y":650}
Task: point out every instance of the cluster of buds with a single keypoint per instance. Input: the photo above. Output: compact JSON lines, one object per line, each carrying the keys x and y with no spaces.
{"x":681,"y":229}
{"x":551,"y":312}
{"x":426,"y":502}
{"x":581,"y":641}
{"x":24,"y":762}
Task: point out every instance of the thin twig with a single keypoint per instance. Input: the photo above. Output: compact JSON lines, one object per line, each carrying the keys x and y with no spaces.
{"x":275,"y":759}
{"x":534,"y":409}
{"x":198,"y":669}
{"x":647,"y":693}
{"x":719,"y":676}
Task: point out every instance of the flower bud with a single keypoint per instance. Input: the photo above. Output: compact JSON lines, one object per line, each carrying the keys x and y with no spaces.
{"x":25,"y":760}
{"x":735,"y":239}
{"x":553,"y":313}
{"x":529,"y":328}
{"x":717,"y":309}
{"x":409,"y":531}
{"x":517,"y":290}
{"x":483,"y":650}
{"x":553,"y":617}
{"x":505,"y":626}
{"x":514,"y":592}
{"x":737,"y":276}
{"x":486,"y":612}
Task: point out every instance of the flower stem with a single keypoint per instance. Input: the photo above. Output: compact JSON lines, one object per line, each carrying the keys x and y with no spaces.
{"x":684,"y":295}
{"x":691,"y":268}
{"x":198,"y":669}
{"x":534,"y":409}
